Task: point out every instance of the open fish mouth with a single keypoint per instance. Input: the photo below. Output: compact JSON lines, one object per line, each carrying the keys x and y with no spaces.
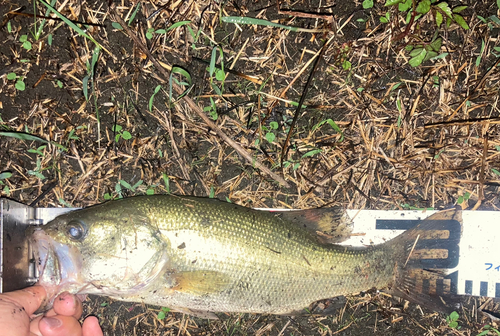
{"x":58,"y":265}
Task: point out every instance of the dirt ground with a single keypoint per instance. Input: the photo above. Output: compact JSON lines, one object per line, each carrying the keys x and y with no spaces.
{"x":374,"y":132}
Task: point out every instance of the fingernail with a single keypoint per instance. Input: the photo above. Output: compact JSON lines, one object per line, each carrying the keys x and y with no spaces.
{"x":52,"y":323}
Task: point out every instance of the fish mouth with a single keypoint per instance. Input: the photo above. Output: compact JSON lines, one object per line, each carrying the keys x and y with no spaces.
{"x":58,"y":265}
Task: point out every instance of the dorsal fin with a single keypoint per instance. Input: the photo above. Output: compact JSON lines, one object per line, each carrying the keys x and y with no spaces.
{"x":329,"y":225}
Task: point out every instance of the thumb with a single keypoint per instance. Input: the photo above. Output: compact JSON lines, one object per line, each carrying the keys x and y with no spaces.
{"x":29,"y":298}
{"x":16,"y":308}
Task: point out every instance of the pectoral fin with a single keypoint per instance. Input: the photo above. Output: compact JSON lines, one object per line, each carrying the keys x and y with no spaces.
{"x":198,"y":282}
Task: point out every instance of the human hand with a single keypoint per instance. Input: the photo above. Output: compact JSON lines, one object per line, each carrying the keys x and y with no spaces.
{"x":16,"y":309}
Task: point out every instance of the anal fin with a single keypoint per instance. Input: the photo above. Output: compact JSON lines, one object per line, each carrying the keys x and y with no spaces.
{"x":197,"y":313}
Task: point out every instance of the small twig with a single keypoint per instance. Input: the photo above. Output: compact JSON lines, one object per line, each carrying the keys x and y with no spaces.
{"x":252,"y":79}
{"x":50,"y":186}
{"x":492,"y":120}
{"x":253,"y":161}
{"x":273,"y":104}
{"x":302,"y":99}
{"x":327,"y":17}
{"x":405,"y":33}
{"x":478,"y":86}
{"x":412,"y":248}
{"x":480,"y":195}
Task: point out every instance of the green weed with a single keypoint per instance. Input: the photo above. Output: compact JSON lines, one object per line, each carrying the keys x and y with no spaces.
{"x":260,"y":22}
{"x":478,"y":59}
{"x":72,"y":136}
{"x":120,"y":133}
{"x":64,"y":203}
{"x":189,"y":84}
{"x":415,"y":10}
{"x":497,"y":49}
{"x":367,"y":4}
{"x":463,"y":198}
{"x":91,"y":66}
{"x":108,"y":196}
{"x":406,"y":206}
{"x":38,"y":32}
{"x":420,"y":53}
{"x":333,"y":124}
{"x":19,"y":81}
{"x":70,"y":23}
{"x":270,"y":135}
{"x":486,"y":330}
{"x":492,"y":21}
{"x":218,"y":73}
{"x":311,"y":153}
{"x":163,"y":313}
{"x":212,"y":110}
{"x":3,"y":176}
{"x":29,"y":137}
{"x":38,"y":170}
{"x":452,"y":320}
{"x":24,"y":40}
{"x":38,"y":151}
{"x":119,"y":190}
{"x":151,"y":99}
{"x":386,"y":18}
{"x":130,"y":187}
{"x":441,"y":11}
{"x":150,"y":31}
{"x":166,"y":180}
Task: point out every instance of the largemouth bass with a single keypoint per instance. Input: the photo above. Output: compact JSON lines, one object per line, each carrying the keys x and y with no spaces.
{"x":201,"y":256}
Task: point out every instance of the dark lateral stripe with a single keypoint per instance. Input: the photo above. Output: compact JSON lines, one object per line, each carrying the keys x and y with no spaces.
{"x":468,"y":287}
{"x":483,"y":288}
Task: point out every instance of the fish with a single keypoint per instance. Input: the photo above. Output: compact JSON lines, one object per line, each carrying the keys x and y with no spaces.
{"x":203,"y":256}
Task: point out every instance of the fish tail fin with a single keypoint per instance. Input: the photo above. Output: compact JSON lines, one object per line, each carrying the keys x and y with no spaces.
{"x":423,"y":254}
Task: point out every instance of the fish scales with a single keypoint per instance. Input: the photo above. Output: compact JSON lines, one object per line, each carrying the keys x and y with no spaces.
{"x":274,"y":266}
{"x":199,"y":256}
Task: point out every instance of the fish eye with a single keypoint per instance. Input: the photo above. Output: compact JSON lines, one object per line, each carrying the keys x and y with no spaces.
{"x":76,"y":230}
